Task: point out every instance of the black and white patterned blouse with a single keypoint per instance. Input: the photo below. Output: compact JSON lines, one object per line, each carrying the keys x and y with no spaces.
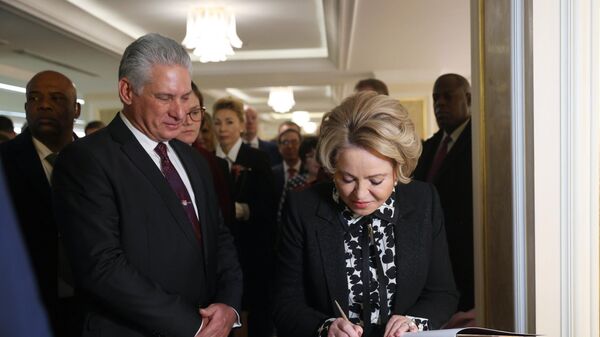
{"x":377,"y":232}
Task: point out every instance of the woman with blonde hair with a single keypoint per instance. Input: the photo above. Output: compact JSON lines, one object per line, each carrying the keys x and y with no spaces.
{"x":255,"y":210}
{"x":372,"y":241}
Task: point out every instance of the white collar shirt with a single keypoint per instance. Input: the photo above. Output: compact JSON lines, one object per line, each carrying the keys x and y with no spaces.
{"x":149,"y":145}
{"x":253,"y":143}
{"x":231,"y":156}
{"x":454,"y":135}
{"x":43,"y":151}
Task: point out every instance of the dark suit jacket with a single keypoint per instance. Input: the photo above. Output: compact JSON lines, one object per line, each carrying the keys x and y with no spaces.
{"x":272,"y":151}
{"x":31,"y":197}
{"x":454,"y":185}
{"x":253,"y":185}
{"x":21,"y":312}
{"x":222,"y":183}
{"x":311,"y":268}
{"x":132,"y":247}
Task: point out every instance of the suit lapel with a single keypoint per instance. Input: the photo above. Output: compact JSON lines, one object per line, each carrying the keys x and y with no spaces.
{"x":243,"y":159}
{"x":139,"y":157}
{"x":29,"y":163}
{"x":456,"y":151}
{"x":330,"y":235}
{"x":426,"y":159}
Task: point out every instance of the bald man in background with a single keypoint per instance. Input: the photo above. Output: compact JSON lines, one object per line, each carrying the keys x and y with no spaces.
{"x":250,"y":137}
{"x":51,"y":108}
{"x":446,"y":163}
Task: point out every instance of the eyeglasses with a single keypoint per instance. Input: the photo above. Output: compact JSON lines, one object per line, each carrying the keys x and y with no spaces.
{"x":289,"y":142}
{"x":197,"y":114}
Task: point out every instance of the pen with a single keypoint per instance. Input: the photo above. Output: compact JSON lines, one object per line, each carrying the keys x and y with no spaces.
{"x":340,"y":310}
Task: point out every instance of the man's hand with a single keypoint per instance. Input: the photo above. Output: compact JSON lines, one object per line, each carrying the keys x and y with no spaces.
{"x":218,"y":320}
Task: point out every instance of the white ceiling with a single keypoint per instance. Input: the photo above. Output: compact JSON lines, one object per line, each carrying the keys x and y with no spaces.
{"x":320,"y":47}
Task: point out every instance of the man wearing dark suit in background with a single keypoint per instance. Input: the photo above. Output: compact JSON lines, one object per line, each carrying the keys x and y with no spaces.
{"x":51,"y":108}
{"x":446,"y":162}
{"x":141,"y":221}
{"x":250,"y":137}
{"x":288,"y":143}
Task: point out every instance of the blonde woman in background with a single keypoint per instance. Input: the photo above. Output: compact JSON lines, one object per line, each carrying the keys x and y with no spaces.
{"x":255,"y":210}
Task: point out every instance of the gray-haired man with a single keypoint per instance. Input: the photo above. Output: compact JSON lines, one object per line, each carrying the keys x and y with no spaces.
{"x":141,"y":223}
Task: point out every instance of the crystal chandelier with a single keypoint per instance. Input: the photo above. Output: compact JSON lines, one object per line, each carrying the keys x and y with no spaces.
{"x":281,"y":99}
{"x":211,"y":33}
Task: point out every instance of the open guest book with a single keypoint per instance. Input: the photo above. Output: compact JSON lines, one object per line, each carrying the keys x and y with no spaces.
{"x":470,"y":332}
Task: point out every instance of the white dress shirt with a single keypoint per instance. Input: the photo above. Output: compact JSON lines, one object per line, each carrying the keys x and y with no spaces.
{"x":454,"y":136}
{"x":149,"y":145}
{"x":253,"y":143}
{"x":43,"y":151}
{"x":231,"y":156}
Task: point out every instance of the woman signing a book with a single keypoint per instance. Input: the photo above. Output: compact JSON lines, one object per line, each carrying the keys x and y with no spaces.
{"x":365,"y":254}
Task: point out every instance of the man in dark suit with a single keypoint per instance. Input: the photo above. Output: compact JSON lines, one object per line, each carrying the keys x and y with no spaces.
{"x":51,"y":108}
{"x":251,"y":137}
{"x":288,"y":143}
{"x":141,"y":223}
{"x":446,"y":162}
{"x":21,"y":313}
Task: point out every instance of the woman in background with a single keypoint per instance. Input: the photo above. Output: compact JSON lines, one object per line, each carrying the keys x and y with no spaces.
{"x":372,"y":240}
{"x":218,"y":167}
{"x":206,"y":138}
{"x":255,"y":209}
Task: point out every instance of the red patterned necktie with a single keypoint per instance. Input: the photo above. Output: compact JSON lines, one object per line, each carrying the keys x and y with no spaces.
{"x":291,"y":172}
{"x":178,"y":187}
{"x":438,"y":159}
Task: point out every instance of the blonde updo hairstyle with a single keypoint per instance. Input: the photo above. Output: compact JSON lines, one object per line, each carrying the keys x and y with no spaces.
{"x":232,"y":104}
{"x":376,"y":123}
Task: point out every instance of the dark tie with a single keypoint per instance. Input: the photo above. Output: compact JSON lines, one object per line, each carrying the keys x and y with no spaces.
{"x":65,"y":288}
{"x":438,"y":159}
{"x":178,"y":187}
{"x":51,"y":158}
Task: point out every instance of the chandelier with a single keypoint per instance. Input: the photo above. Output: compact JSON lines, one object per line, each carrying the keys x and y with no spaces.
{"x":211,"y":33}
{"x":281,"y":99}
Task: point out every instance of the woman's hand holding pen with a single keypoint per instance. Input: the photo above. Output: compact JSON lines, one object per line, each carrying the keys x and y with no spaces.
{"x":398,"y":325}
{"x":342,"y":327}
